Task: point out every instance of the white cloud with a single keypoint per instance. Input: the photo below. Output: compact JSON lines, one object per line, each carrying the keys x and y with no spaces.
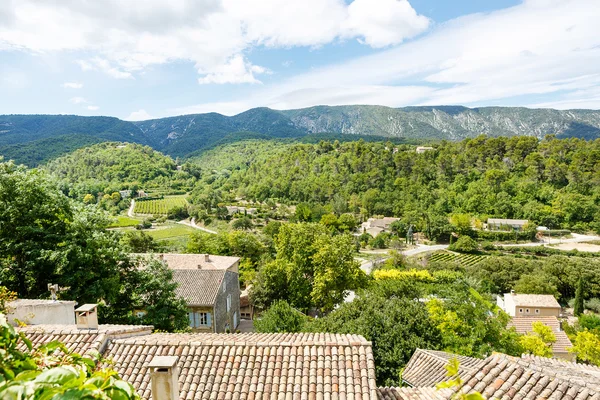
{"x":93,"y":108}
{"x":78,"y":100}
{"x":538,"y":48}
{"x":72,"y":85}
{"x":140,"y":115}
{"x":210,"y":33}
{"x":236,"y":70}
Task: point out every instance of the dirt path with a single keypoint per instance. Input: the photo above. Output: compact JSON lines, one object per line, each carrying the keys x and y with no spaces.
{"x":192,"y":224}
{"x":130,"y":213}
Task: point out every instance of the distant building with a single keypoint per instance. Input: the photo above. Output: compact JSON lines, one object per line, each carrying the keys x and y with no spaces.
{"x":423,"y":149}
{"x":231,"y":210}
{"x":246,"y":307}
{"x":374,"y":226}
{"x":529,"y":305}
{"x":502,"y":224}
{"x":125,"y":193}
{"x":141,"y":193}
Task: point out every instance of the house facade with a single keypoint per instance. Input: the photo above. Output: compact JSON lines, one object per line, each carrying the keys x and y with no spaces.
{"x":529,"y":305}
{"x":503,"y":224}
{"x":374,"y":226}
{"x":213,"y":298}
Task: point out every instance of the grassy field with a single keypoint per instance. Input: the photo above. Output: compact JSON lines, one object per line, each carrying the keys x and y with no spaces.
{"x":466,"y":260}
{"x":170,"y":231}
{"x":124,"y":221}
{"x":159,"y":206}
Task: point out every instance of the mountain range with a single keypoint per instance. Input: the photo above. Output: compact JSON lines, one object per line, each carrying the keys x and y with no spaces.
{"x":34,"y":139}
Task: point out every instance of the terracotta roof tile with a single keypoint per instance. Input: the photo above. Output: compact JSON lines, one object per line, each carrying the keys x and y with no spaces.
{"x":524,"y":325}
{"x":409,"y":393}
{"x":427,"y":367}
{"x":192,"y":261}
{"x":254,"y":365}
{"x":198,"y":287}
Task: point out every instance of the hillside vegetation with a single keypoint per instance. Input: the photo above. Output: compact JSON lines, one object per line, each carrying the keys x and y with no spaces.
{"x":183,"y":135}
{"x":553,"y":182}
{"x":110,"y":167}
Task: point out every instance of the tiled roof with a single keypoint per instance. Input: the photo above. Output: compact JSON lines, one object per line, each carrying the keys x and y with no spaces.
{"x":303,"y":366}
{"x":198,"y":287}
{"x":564,"y":368}
{"x":505,"y":221}
{"x":534,"y":300}
{"x":410,"y":393}
{"x":192,"y":261}
{"x":506,"y":377}
{"x":81,"y":341}
{"x":524,"y":325}
{"x":427,"y":367}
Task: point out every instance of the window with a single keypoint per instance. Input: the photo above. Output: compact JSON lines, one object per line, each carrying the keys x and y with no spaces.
{"x":224,"y":286}
{"x":527,"y":311}
{"x":199,"y":319}
{"x":537,"y":311}
{"x":228,"y":302}
{"x":521,"y":310}
{"x":235,"y":321}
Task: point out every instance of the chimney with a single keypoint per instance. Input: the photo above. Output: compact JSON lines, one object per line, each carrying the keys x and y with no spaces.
{"x":206,"y":258}
{"x":165,"y":378}
{"x":86,"y":316}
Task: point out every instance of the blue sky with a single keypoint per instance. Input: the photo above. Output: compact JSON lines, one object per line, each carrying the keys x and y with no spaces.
{"x":140,"y":59}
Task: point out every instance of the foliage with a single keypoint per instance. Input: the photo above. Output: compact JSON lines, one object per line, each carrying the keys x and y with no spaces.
{"x":6,"y":296}
{"x":46,"y":238}
{"x":280,"y":317}
{"x":589,"y":322}
{"x":395,"y":326}
{"x":536,"y":283}
{"x":244,"y":223}
{"x":465,"y":260}
{"x":587,"y":347}
{"x":140,"y":242}
{"x":52,"y":371}
{"x":464,"y":244}
{"x":315,"y":268}
{"x":410,"y":275}
{"x":538,"y":342}
{"x":578,"y":307}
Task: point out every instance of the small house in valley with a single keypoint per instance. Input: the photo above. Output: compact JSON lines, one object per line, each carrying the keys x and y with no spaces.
{"x":374,"y":226}
{"x":529,"y":305}
{"x":504,"y":224}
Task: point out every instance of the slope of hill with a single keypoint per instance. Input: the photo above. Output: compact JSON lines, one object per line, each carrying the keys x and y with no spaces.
{"x":112,"y":166}
{"x":183,"y":135}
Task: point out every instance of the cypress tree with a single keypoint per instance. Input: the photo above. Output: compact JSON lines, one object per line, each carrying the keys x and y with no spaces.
{"x":578,"y":308}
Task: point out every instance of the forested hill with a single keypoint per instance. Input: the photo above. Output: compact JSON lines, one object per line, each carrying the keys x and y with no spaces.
{"x":35,"y":138}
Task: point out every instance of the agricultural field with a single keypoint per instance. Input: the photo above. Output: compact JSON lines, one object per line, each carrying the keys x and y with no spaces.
{"x":159,"y":206}
{"x":170,"y":231}
{"x":123,"y":221}
{"x":466,"y":260}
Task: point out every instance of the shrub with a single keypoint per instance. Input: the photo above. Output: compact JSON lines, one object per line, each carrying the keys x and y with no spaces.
{"x":593,"y":304}
{"x":464,"y":244}
{"x":589,"y":321}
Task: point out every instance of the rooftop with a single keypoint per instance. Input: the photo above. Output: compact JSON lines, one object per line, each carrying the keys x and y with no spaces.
{"x":524,"y":325}
{"x":504,"y":377}
{"x":507,"y":221}
{"x":534,"y":300}
{"x":81,"y":341}
{"x":253,"y":365}
{"x":35,"y":302}
{"x":198,"y":287}
{"x":412,"y":393}
{"x":427,"y":367}
{"x":192,"y":261}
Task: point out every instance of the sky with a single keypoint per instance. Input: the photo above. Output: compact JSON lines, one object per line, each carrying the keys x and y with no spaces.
{"x":144,"y":59}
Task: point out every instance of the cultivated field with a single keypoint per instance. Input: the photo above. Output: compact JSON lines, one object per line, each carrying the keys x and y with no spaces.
{"x":159,"y":206}
{"x":466,"y":260}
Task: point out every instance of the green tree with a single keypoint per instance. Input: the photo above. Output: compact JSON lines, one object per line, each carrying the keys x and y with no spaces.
{"x":539,"y":342}
{"x":330,"y":221}
{"x":347,"y":223}
{"x":280,"y":318}
{"x":464,"y":244}
{"x":536,"y":283}
{"x":396,"y":327}
{"x":578,"y":308}
{"x":140,"y":242}
{"x":243,"y":223}
{"x":587,"y":347}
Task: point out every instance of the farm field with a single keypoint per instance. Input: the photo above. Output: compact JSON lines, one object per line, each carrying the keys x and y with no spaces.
{"x":124,"y":221}
{"x":170,"y":231}
{"x":466,"y":260}
{"x":159,"y":206}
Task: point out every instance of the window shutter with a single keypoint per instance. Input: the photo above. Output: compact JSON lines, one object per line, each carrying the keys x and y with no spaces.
{"x":208,"y":319}
{"x":191,"y":317}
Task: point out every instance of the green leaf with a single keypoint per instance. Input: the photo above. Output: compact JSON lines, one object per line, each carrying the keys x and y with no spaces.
{"x":57,"y":375}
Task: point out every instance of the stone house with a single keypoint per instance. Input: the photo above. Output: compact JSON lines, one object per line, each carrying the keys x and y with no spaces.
{"x":212,"y":296}
{"x":529,"y":305}
{"x":194,"y":261}
{"x":374,"y":226}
